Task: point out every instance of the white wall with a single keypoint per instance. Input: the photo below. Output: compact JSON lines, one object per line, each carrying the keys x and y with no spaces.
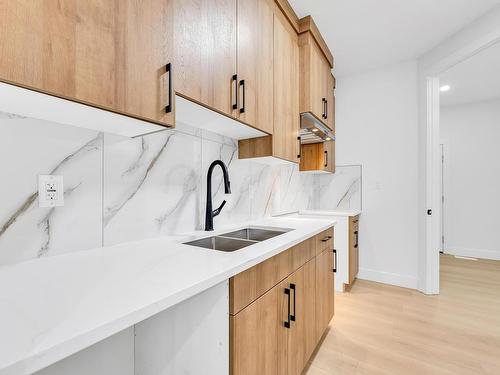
{"x":470,"y":135}
{"x":377,"y":128}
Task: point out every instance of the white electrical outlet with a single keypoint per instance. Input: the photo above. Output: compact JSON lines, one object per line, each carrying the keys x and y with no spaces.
{"x":50,"y":191}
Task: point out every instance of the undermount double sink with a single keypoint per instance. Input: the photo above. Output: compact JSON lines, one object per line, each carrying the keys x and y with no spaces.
{"x":238,"y":239}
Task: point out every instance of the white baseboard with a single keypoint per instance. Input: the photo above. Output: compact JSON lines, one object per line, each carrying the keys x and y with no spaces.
{"x":404,"y":281}
{"x":474,"y":253}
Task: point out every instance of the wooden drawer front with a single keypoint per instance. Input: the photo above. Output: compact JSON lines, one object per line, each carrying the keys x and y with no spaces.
{"x":303,"y":252}
{"x":324,"y":241}
{"x":249,"y":285}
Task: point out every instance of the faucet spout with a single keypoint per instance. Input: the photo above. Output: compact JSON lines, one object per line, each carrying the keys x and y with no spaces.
{"x":209,"y":213}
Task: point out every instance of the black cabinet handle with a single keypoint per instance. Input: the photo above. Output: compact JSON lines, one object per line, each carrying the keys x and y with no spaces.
{"x":326,"y":158}
{"x":300,"y":148}
{"x":323,"y":101}
{"x":292,"y":316}
{"x":242,"y":84}
{"x":326,"y":109}
{"x":287,"y":322}
{"x":335,"y":257}
{"x":326,"y":238}
{"x":357,"y":239}
{"x":235,"y":80}
{"x":168,"y":69}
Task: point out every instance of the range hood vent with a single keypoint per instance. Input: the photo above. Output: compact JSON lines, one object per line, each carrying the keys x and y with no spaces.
{"x":313,"y":131}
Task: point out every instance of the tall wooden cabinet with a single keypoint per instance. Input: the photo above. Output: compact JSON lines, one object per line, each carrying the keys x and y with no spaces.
{"x":280,"y":308}
{"x":255,"y":63}
{"x":284,"y":143}
{"x":316,"y":63}
{"x":108,"y":54}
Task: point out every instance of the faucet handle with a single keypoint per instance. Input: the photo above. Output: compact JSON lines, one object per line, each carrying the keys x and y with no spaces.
{"x":218,"y":210}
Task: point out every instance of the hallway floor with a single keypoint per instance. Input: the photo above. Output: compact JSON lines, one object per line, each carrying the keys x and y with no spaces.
{"x":380,"y":329}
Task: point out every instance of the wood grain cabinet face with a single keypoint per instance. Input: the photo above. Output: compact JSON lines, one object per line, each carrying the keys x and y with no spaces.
{"x":325,"y":294}
{"x":318,"y":157}
{"x":330,"y":118}
{"x":353,"y":248}
{"x":255,"y":63}
{"x":204,"y":41}
{"x":94,"y":52}
{"x":279,"y":330}
{"x":315,"y":80}
{"x":286,"y":90}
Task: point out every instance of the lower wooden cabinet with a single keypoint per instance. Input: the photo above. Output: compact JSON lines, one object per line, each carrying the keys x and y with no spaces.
{"x":353,"y":248}
{"x":278,"y":331}
{"x":324,"y":291}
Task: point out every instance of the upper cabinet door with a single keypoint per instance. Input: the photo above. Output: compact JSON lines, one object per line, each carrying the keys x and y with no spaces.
{"x":286,"y":90}
{"x":205,"y":52}
{"x":330,"y":101}
{"x":255,"y":63}
{"x":95,"y":52}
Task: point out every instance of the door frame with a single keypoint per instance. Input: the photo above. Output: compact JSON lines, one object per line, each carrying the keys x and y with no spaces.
{"x":429,"y":150}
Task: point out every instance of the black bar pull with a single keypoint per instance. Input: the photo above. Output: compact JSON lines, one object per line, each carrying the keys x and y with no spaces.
{"x":326,"y":158}
{"x":326,"y":238}
{"x":300,"y":148}
{"x":235,"y":80}
{"x":292,"y":316}
{"x":323,"y":100}
{"x":357,"y":239}
{"x":326,"y":109}
{"x":168,"y":69}
{"x":287,"y":323}
{"x":242,"y":84}
{"x":335,"y":259}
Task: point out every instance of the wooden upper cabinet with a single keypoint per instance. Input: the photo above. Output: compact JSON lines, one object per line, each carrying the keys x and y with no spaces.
{"x":316,"y":63}
{"x":318,"y":157}
{"x":255,"y":63}
{"x":330,"y":114}
{"x":95,"y":52}
{"x":204,"y":63}
{"x":286,"y":90}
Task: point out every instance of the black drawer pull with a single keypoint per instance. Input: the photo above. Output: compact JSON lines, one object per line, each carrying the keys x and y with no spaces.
{"x":292,"y":316}
{"x":326,"y":109}
{"x":335,"y":256}
{"x":287,"y":323}
{"x":235,"y":80}
{"x":323,"y":101}
{"x":242,"y":84}
{"x":300,"y":148}
{"x":326,"y":158}
{"x":327,"y":238}
{"x":168,"y":69}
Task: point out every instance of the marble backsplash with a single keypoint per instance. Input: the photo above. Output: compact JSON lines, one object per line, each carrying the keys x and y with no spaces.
{"x":121,"y":189}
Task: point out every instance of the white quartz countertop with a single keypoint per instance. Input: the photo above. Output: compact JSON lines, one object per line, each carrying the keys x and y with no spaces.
{"x":330,"y":213}
{"x":56,"y":306}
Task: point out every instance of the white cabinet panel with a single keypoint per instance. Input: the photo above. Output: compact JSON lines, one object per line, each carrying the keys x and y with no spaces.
{"x":189,"y":338}
{"x":113,"y":356}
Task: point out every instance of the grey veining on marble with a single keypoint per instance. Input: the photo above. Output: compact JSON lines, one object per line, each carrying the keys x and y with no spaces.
{"x":342,"y":190}
{"x":28,"y":231}
{"x":120,"y":189}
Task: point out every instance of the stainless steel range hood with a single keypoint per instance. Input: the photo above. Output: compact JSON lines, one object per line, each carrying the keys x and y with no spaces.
{"x":314,"y":131}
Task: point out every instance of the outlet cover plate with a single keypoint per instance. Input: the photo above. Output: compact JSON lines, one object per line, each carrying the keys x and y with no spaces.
{"x":50,"y":191}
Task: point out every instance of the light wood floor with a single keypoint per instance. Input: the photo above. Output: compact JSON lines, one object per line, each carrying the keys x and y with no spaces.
{"x":380,"y":329}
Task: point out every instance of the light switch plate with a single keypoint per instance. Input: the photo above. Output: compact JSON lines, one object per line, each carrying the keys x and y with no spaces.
{"x":50,"y":191}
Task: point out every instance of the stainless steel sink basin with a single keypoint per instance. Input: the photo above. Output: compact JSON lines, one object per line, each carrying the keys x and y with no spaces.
{"x":256,"y":234}
{"x":237,"y":239}
{"x":221,"y":243}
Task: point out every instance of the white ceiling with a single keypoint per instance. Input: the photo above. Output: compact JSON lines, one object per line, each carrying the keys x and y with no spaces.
{"x":366,"y":34}
{"x":473,"y":80}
